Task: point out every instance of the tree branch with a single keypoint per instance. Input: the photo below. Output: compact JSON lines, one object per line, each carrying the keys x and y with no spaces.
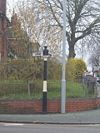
{"x":54,"y":15}
{"x":88,"y":30}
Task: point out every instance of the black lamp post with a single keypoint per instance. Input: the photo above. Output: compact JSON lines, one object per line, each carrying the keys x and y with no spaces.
{"x":45,"y":57}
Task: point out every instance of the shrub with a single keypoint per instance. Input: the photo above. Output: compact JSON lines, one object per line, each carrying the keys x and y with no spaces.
{"x":54,"y":69}
{"x":20,"y":70}
{"x":75,"y":69}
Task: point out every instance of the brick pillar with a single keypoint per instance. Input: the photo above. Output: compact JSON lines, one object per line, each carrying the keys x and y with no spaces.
{"x":3,"y":38}
{"x":3,"y":6}
{"x":3,"y":29}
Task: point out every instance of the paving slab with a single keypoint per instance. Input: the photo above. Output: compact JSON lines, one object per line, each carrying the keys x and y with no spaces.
{"x":86,"y":117}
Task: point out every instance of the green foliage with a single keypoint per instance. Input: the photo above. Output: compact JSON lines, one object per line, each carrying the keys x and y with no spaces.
{"x":54,"y":69}
{"x":76,"y":90}
{"x":18,"y":89}
{"x":75,"y":69}
{"x":20,"y":70}
{"x":29,"y":69}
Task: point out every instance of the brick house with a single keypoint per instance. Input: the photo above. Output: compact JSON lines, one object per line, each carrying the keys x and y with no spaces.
{"x":4,"y":22}
{"x":11,"y":41}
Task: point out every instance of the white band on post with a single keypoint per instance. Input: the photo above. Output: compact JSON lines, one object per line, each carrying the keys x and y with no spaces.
{"x":44,"y":86}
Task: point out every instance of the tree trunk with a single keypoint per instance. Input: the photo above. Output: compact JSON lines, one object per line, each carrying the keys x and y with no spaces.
{"x":71,"y":50}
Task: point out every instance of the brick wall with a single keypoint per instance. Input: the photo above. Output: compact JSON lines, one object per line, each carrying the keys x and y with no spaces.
{"x":3,"y":6}
{"x":35,"y":106}
{"x":20,"y":106}
{"x":98,"y":102}
{"x":3,"y":37}
{"x":74,"y":105}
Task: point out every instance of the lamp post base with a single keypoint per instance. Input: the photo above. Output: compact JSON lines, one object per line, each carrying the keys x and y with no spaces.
{"x":44,"y":104}
{"x":63,"y":97}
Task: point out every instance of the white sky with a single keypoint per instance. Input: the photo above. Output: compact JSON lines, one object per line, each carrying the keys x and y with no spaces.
{"x":11,"y":3}
{"x":10,"y":6}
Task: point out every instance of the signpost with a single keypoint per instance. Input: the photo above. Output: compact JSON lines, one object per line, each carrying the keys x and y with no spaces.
{"x":45,"y":57}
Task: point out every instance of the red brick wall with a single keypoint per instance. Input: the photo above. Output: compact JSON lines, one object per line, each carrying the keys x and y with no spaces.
{"x":3,"y":29}
{"x":21,"y":106}
{"x":98,"y":102}
{"x":35,"y":106}
{"x":74,"y":105}
{"x":3,"y":6}
{"x":3,"y":38}
{"x":54,"y":106}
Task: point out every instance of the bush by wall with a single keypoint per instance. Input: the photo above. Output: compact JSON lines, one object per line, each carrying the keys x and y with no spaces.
{"x":75,"y":69}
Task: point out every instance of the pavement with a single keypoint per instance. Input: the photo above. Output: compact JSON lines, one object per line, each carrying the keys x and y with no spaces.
{"x":86,"y":117}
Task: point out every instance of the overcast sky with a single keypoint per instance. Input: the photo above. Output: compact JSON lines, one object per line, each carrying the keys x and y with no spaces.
{"x":10,"y":5}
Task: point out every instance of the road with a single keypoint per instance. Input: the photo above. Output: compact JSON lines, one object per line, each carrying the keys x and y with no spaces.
{"x":43,"y":128}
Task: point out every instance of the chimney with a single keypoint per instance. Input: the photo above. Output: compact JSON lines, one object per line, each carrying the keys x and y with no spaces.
{"x":3,"y":6}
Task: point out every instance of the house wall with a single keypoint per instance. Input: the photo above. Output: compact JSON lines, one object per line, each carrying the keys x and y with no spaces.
{"x":3,"y":30}
{"x":3,"y":6}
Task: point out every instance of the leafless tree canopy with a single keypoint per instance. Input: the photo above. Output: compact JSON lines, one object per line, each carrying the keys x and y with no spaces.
{"x":44,"y":18}
{"x":95,"y":57}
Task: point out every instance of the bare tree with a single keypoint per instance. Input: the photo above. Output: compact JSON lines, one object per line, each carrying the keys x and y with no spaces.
{"x":83,"y":20}
{"x":95,"y":57}
{"x":35,"y":21}
{"x":42,"y":19}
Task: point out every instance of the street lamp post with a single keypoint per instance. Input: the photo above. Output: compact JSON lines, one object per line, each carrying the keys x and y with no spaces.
{"x":44,"y":102}
{"x":63,"y":82}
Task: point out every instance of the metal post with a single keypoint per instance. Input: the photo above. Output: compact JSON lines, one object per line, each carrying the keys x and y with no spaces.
{"x":63,"y":84}
{"x":44,"y":105}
